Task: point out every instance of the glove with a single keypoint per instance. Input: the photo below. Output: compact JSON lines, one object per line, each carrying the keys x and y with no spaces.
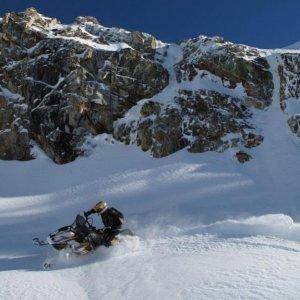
{"x":106,"y":229}
{"x":90,"y":212}
{"x":93,"y":228}
{"x":108,"y":235}
{"x":106,"y":244}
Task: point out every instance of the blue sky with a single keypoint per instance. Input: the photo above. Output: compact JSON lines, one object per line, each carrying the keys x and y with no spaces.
{"x":261,"y":23}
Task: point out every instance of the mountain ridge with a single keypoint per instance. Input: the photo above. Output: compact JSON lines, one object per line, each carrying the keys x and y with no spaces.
{"x":61,"y":84}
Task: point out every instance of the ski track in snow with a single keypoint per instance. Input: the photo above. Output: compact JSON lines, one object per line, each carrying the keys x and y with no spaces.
{"x":207,"y":227}
{"x":198,"y":242}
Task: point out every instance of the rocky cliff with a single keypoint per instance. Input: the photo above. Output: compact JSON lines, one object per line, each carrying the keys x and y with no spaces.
{"x":61,"y":83}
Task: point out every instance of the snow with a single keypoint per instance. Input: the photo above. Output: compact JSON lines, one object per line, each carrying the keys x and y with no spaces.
{"x":294,"y":46}
{"x":206,"y":226}
{"x":292,"y":106}
{"x":97,"y":46}
{"x":9,"y":95}
{"x":85,"y":41}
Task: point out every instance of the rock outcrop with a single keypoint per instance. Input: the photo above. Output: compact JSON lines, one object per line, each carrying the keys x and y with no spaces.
{"x":61,"y":83}
{"x":14,"y":137}
{"x":199,"y":120}
{"x":74,"y":80}
{"x":289,"y":93}
{"x":234,"y":64}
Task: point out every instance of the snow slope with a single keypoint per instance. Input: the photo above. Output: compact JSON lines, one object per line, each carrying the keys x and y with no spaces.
{"x":196,"y":239}
{"x":294,"y":46}
{"x":207,"y":227}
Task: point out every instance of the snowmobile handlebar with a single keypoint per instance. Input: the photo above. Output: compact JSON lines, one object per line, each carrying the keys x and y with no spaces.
{"x":90,"y":223}
{"x":88,"y":213}
{"x":83,"y":221}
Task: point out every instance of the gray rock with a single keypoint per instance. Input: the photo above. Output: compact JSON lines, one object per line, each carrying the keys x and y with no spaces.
{"x":199,"y":120}
{"x":62,"y":83}
{"x":15,"y":143}
{"x":243,"y":157}
{"x":294,"y":123}
{"x":235,"y":64}
{"x":71,"y":85}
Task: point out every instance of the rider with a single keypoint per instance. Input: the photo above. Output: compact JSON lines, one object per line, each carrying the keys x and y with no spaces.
{"x":112,"y":220}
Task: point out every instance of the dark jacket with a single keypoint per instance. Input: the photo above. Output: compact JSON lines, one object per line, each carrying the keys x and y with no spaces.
{"x":112,"y":218}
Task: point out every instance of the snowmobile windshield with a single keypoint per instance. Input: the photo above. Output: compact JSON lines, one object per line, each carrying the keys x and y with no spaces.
{"x":81,"y":227}
{"x":80,"y":221}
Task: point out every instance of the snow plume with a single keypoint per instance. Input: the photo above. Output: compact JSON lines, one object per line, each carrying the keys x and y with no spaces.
{"x":278,"y":225}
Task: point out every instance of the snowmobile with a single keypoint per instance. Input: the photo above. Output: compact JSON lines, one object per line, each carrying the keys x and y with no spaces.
{"x":81,"y":237}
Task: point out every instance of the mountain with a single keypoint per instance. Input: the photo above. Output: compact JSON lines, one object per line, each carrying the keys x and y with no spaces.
{"x":197,"y":143}
{"x":63,"y":83}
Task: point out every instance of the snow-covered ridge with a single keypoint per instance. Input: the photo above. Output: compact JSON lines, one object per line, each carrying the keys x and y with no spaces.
{"x":86,"y":39}
{"x":88,"y":31}
{"x":199,"y":94}
{"x":294,"y":46}
{"x":83,"y":54}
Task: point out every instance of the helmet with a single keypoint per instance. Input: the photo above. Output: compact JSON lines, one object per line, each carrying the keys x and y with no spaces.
{"x":100,"y":207}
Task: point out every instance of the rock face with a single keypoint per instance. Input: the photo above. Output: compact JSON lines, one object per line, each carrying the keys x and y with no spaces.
{"x":289,"y":73}
{"x":14,"y":137}
{"x":199,"y":120}
{"x":234,"y":64}
{"x":294,"y":123}
{"x":202,"y":119}
{"x":242,"y":157}
{"x":74,"y":80}
{"x":61,"y":83}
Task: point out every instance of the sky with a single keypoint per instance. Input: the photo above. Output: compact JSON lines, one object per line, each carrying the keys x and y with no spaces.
{"x":260,"y":23}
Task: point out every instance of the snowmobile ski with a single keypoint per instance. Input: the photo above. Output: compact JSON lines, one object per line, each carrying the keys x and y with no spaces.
{"x":46,"y":266}
{"x":126,"y":232}
{"x":36,"y":241}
